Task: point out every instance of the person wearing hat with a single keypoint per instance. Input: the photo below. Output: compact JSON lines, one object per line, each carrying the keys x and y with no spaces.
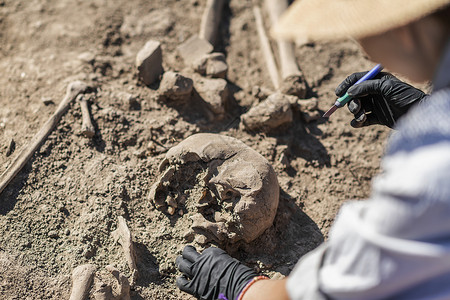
{"x":395,"y":245}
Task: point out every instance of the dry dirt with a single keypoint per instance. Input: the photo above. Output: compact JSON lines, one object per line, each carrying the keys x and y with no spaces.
{"x":60,"y":211}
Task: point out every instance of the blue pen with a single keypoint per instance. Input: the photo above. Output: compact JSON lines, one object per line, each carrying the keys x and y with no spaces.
{"x":346,"y":98}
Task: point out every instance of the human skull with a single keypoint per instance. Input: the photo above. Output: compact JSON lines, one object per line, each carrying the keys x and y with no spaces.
{"x":239,"y":188}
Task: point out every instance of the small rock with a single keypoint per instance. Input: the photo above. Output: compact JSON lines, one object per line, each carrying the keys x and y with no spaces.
{"x":201,"y":239}
{"x":176,"y":86}
{"x":130,"y":101}
{"x":269,"y":114}
{"x":47,"y":100}
{"x":261,"y":93}
{"x":87,"y":57}
{"x":171,"y":202}
{"x":294,"y":85}
{"x":193,"y":49}
{"x":212,"y":65}
{"x":309,"y":109}
{"x":284,"y":160}
{"x":11,"y":147}
{"x":214,"y":92}
{"x":53,"y":234}
{"x":171,"y":210}
{"x":149,"y":62}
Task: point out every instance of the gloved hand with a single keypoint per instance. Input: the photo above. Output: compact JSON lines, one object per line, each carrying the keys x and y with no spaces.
{"x":382,"y":100}
{"x":211,"y":273}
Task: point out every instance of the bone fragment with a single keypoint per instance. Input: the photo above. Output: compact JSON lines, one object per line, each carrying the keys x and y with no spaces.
{"x":82,"y":279}
{"x":87,"y":128}
{"x":73,"y":90}
{"x":123,"y":235}
{"x":293,"y":80}
{"x":107,"y":288}
{"x":209,"y":26}
{"x":267,"y":50}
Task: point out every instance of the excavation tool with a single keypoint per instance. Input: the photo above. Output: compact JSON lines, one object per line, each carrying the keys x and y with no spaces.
{"x":346,"y":98}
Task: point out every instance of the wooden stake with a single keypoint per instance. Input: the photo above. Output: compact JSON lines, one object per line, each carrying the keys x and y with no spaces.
{"x":73,"y":90}
{"x":267,"y":50}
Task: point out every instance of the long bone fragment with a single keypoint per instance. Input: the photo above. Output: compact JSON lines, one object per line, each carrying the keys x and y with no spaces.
{"x":291,"y":75}
{"x":73,"y":90}
{"x":123,"y":235}
{"x":82,"y":277}
{"x":267,"y":50}
{"x":87,"y":128}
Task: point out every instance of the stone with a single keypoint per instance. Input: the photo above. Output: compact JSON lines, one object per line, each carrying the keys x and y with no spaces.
{"x":269,"y":114}
{"x":294,"y":85}
{"x":242,"y":187}
{"x":149,"y":62}
{"x":11,"y":147}
{"x":175,"y":86}
{"x":215,"y":92}
{"x":261,"y":93}
{"x":212,"y":65}
{"x":193,"y":49}
{"x":47,"y":100}
{"x":309,"y":109}
{"x":128,"y":100}
{"x":87,"y":57}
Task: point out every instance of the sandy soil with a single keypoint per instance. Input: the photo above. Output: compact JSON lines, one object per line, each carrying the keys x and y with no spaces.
{"x":61,"y":209}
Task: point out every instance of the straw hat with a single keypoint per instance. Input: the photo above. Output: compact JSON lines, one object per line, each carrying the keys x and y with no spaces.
{"x":335,"y":19}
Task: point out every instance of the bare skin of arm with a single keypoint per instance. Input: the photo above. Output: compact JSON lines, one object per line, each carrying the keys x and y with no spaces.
{"x":267,"y":289}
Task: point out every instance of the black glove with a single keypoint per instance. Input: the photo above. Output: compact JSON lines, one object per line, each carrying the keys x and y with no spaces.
{"x":382,"y":100}
{"x":211,"y":273}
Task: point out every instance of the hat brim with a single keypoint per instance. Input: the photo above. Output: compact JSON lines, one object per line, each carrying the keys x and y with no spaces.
{"x":337,"y":19}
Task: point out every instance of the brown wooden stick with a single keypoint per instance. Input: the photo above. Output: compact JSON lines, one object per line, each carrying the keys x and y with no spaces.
{"x":27,"y":152}
{"x":267,"y":50}
{"x":209,"y":26}
{"x":288,"y":61}
{"x":87,"y":128}
{"x":82,"y":279}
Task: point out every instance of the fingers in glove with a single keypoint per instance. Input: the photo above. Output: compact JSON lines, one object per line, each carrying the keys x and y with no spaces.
{"x":354,"y":106}
{"x":190,"y":253}
{"x":359,"y":119}
{"x":183,"y":284}
{"x":184,"y":265}
{"x":348,"y":82}
{"x":369,"y":87}
{"x":365,"y":120}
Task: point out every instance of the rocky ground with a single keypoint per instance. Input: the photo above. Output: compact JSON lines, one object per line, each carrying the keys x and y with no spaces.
{"x":61,"y":210}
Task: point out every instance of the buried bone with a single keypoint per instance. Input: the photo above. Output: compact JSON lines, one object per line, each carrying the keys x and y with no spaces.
{"x":82,"y":277}
{"x":123,"y":235}
{"x":87,"y":128}
{"x":107,"y":288}
{"x":238,"y":181}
